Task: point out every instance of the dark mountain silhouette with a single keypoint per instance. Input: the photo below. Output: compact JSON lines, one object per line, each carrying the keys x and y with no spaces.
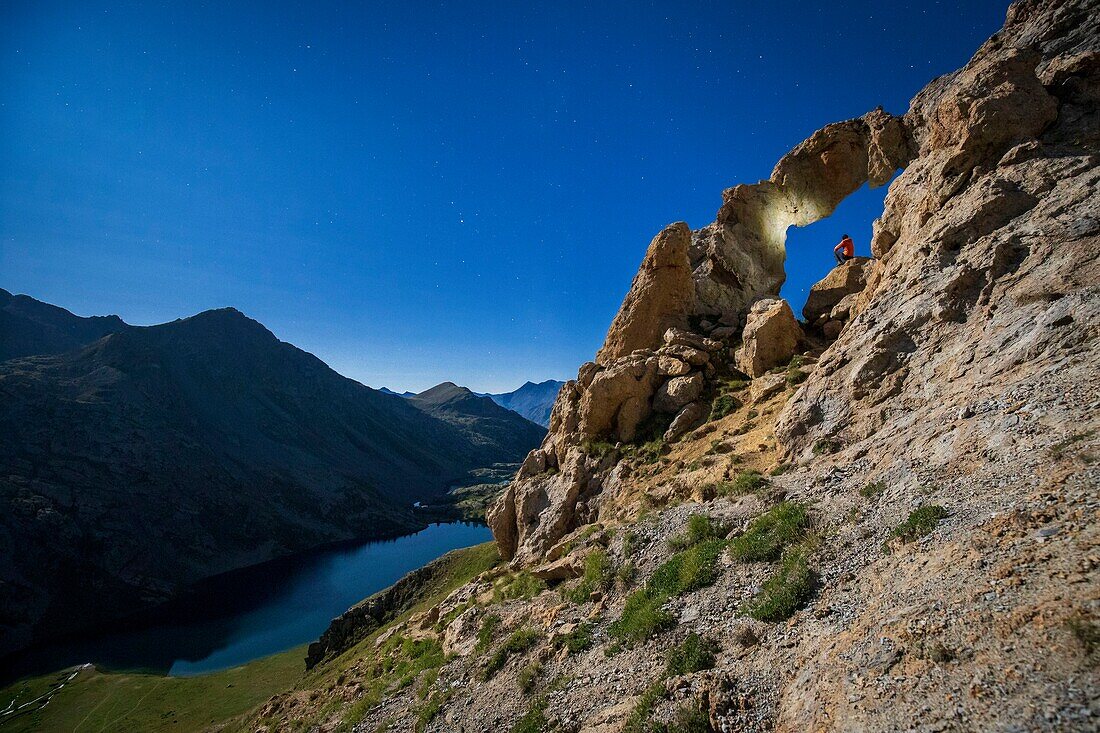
{"x":478,"y":417}
{"x":30,"y":327}
{"x":153,"y":457}
{"x":532,"y":400}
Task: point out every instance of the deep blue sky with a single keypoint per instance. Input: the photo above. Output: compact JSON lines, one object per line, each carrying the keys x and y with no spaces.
{"x":419,"y":191}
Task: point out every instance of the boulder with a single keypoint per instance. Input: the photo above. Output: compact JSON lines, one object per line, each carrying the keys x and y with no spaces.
{"x":770,"y":338}
{"x":680,"y":337}
{"x":842,"y":311}
{"x":627,"y":383}
{"x":671,"y":366}
{"x":843,"y":280}
{"x":677,"y":392}
{"x":693,"y":356}
{"x":831,"y":329}
{"x":766,"y":386}
{"x":564,"y":568}
{"x":661,"y":296}
{"x":691,"y":415}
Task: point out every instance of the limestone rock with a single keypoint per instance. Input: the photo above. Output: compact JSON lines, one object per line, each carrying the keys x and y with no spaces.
{"x":460,"y":636}
{"x":693,"y":356}
{"x":627,"y":383}
{"x":766,"y":386}
{"x":831,"y":329}
{"x":770,"y":338}
{"x":677,"y":392}
{"x":680,"y":337}
{"x":691,"y":415}
{"x":670,"y":366}
{"x":842,"y":281}
{"x":564,"y":568}
{"x":660,"y":297}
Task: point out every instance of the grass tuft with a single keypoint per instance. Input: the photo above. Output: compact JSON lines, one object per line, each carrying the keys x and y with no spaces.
{"x":577,"y":640}
{"x":745,"y":482}
{"x":517,"y":642}
{"x":873,"y":489}
{"x":695,"y":654}
{"x":781,"y":469}
{"x":699,"y":527}
{"x":920,"y":523}
{"x":534,"y":720}
{"x":787,"y":590}
{"x":724,"y":404}
{"x":767,"y":535}
{"x":597,"y":577}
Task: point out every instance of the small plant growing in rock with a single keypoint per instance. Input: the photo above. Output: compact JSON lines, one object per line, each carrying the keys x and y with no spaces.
{"x":598,"y":449}
{"x":528,"y":677}
{"x":695,"y":654}
{"x":781,"y":469}
{"x":688,"y":719}
{"x":630,"y":542}
{"x":745,"y":482}
{"x":642,"y":618}
{"x":920,"y":523}
{"x":1087,"y":633}
{"x":687,"y":570}
{"x":577,"y":640}
{"x":626,"y":573}
{"x":487,"y":632}
{"x":430,"y":709}
{"x":826,"y":446}
{"x":724,"y":404}
{"x":517,"y":642}
{"x":786,"y":591}
{"x":1059,"y":449}
{"x":767,"y":535}
{"x":638,"y":720}
{"x":597,"y":576}
{"x":699,"y":527}
{"x":519,"y":586}
{"x":534,"y":720}
{"x":873,"y":489}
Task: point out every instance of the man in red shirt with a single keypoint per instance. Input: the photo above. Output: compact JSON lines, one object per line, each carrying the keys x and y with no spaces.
{"x":844,"y":251}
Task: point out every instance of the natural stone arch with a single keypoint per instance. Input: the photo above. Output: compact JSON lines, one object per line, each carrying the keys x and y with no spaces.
{"x":739,"y":258}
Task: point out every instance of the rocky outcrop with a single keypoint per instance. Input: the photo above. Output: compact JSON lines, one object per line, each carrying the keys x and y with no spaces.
{"x":652,"y":366}
{"x":987,"y":240}
{"x":981,"y":149}
{"x":842,"y":281}
{"x":770,"y":338}
{"x":739,"y":258}
{"x":660,"y":296}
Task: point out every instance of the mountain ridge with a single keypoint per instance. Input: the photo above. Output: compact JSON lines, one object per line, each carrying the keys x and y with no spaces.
{"x":222,"y":445}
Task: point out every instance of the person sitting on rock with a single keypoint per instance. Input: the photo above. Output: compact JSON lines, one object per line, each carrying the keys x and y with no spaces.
{"x":845,"y":250}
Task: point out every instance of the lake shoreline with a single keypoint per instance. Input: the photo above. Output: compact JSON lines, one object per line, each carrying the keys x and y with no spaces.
{"x":217,"y":602}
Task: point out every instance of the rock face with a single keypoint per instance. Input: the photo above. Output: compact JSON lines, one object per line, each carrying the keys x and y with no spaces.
{"x":770,"y":338}
{"x":842,"y":281}
{"x":984,"y":242}
{"x":660,"y":296}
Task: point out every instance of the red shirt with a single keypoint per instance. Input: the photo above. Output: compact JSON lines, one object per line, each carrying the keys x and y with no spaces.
{"x":848,"y":247}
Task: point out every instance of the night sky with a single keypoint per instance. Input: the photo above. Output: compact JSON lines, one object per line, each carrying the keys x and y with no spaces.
{"x":418,"y":192}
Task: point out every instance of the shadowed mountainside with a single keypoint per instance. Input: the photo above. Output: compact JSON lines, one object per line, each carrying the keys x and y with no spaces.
{"x":156,"y":456}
